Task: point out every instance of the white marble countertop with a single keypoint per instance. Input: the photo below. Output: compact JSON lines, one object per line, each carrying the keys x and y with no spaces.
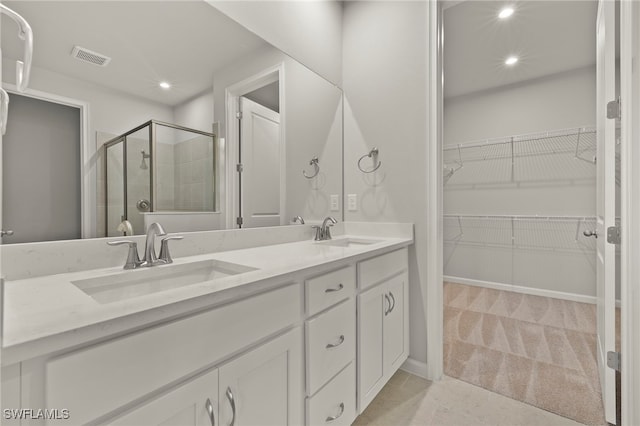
{"x":49,"y":313}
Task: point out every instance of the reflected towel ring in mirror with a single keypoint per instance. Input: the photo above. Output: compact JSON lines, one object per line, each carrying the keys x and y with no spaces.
{"x":372,"y":154}
{"x":23,"y":68}
{"x":314,"y":162}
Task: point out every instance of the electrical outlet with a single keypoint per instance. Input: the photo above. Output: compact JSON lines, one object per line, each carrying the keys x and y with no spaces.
{"x":335,"y":203}
{"x":352,"y":200}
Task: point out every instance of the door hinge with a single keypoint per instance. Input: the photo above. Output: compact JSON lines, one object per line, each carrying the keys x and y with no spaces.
{"x":613,"y":235}
{"x":239,"y":168}
{"x":613,"y":109}
{"x":239,"y":220}
{"x":613,"y":360}
{"x":239,"y":115}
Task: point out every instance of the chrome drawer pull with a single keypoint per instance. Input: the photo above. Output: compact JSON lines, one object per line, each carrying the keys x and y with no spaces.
{"x":393,"y":300}
{"x":336,"y":417}
{"x":330,"y":290}
{"x":388,"y":309}
{"x":209,"y":406}
{"x":232,"y":402}
{"x":335,"y":345}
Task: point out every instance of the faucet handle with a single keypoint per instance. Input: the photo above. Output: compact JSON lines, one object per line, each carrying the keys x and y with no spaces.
{"x":164,"y":248}
{"x":318,"y":235}
{"x":133,"y":260}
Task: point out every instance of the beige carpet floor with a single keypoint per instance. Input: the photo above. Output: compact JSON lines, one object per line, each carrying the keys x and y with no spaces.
{"x":537,"y":350}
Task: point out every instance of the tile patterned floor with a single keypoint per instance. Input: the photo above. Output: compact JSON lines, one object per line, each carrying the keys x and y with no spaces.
{"x":408,"y":400}
{"x":538,"y":350}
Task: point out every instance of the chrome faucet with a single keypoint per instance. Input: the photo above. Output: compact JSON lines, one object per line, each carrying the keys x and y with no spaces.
{"x":298,"y":219}
{"x":150,"y":257}
{"x":324,"y":232}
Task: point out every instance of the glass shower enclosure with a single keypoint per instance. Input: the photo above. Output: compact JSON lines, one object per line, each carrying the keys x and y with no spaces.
{"x":156,"y":167}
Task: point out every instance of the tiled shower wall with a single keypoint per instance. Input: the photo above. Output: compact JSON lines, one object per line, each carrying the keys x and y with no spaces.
{"x":194,"y":177}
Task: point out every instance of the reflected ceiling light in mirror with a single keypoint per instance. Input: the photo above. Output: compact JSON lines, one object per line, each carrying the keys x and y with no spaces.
{"x":505,"y":13}
{"x":511,"y":60}
{"x":165,"y":85}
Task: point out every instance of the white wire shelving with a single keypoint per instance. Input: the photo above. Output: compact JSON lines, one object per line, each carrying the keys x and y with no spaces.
{"x":532,"y":232}
{"x":580,"y":142}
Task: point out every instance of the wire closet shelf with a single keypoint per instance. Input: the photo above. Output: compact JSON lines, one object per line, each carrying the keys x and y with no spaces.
{"x":579,"y":142}
{"x":531,"y":232}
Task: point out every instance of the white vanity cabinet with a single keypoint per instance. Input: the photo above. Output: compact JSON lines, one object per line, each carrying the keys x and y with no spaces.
{"x":383,"y":322}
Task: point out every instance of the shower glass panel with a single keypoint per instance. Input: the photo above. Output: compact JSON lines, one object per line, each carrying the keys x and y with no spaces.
{"x":158,"y":167}
{"x":138,"y":177}
{"x":185,"y":165}
{"x":115,"y":187}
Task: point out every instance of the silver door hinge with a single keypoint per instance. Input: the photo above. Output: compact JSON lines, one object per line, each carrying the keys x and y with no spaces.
{"x":613,"y":109}
{"x":613,"y":360}
{"x":613,"y":235}
{"x":239,"y":220}
{"x":239,"y":168}
{"x":239,"y":115}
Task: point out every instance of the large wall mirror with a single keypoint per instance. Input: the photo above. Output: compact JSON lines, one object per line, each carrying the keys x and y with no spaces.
{"x":162,"y":111}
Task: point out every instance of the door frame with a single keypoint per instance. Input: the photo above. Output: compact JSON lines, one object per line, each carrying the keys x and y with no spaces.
{"x":232,"y":143}
{"x":630,"y":208}
{"x":433,"y":300}
{"x":88,"y":182}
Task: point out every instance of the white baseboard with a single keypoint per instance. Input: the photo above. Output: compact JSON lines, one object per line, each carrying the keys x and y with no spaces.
{"x":417,"y":368}
{"x":525,"y":290}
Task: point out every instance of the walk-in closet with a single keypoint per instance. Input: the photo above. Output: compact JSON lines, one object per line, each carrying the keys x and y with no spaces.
{"x":520,"y":195}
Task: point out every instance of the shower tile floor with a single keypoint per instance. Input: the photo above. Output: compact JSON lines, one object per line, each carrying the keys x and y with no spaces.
{"x":538,"y":350}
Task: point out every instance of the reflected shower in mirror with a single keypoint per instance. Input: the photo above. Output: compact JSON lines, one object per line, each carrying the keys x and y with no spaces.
{"x":187,"y":64}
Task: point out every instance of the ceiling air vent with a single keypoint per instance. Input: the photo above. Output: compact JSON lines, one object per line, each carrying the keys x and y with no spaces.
{"x":86,"y":55}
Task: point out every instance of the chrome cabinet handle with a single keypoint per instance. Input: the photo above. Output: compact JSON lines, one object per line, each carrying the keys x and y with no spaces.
{"x":335,"y":345}
{"x":337,"y":416}
{"x":232,"y":402}
{"x":209,"y":406}
{"x":388,"y":308}
{"x":330,"y":290}
{"x":393,"y":300}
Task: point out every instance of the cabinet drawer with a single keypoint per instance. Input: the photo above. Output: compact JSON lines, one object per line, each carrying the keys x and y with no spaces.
{"x":338,"y":398}
{"x":329,"y":289}
{"x":125,"y":369}
{"x":378,"y":269}
{"x":330,"y":344}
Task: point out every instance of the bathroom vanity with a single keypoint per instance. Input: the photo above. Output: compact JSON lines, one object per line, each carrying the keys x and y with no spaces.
{"x":301,"y":332}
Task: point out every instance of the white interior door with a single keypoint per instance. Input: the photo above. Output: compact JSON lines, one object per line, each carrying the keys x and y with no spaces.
{"x":261,"y":189}
{"x":606,"y":202}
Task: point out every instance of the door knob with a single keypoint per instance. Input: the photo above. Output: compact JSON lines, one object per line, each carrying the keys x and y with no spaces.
{"x":6,"y":233}
{"x":590,"y":233}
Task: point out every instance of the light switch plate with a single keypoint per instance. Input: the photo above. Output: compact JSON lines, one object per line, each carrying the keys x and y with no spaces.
{"x":335,"y":203}
{"x":352,"y":200}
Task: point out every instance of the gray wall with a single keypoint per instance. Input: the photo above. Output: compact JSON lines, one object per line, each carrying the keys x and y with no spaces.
{"x":41,"y":171}
{"x":385,"y":83}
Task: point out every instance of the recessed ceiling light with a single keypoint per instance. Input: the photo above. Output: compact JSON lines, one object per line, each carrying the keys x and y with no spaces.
{"x":165,"y":85}
{"x":511,"y":60}
{"x":505,"y":13}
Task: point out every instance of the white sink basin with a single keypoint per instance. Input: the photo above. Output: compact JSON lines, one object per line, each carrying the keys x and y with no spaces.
{"x":349,"y":242}
{"x":143,"y":281}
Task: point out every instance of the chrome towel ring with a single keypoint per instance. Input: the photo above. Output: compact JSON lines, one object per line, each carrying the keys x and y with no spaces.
{"x":372,"y":154}
{"x":314,"y":162}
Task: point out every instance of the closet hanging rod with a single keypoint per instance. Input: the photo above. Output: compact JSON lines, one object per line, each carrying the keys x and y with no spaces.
{"x":531,"y":137}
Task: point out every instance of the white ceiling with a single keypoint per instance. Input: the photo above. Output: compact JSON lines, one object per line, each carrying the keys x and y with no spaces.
{"x":182,"y":42}
{"x":548,"y":36}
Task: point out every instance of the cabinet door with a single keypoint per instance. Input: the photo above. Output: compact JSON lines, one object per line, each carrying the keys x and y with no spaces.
{"x":264,"y":386}
{"x":395,"y":326}
{"x":371,"y":308}
{"x":194,"y":403}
